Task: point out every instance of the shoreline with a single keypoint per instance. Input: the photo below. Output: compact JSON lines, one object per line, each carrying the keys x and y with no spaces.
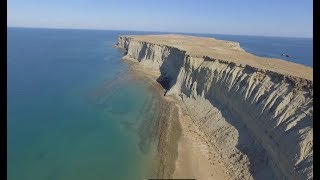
{"x":190,"y":153}
{"x":244,"y":105}
{"x":168,"y":127}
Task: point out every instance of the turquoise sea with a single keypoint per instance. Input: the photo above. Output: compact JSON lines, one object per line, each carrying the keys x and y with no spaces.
{"x":74,"y":112}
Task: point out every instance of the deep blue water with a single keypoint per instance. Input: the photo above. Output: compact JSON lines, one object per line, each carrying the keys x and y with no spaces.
{"x":75,"y":113}
{"x":300,"y":49}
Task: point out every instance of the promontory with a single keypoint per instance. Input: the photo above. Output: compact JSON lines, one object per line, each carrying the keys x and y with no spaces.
{"x":249,"y":117}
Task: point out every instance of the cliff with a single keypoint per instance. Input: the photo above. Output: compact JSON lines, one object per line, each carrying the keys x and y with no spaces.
{"x":258,"y":112}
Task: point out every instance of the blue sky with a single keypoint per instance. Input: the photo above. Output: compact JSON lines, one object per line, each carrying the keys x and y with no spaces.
{"x":289,"y":18}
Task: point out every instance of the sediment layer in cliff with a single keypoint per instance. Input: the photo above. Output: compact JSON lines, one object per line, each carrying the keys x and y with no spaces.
{"x":257,"y":111}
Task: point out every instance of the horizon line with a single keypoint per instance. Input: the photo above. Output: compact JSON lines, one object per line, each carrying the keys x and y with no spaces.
{"x":62,"y":28}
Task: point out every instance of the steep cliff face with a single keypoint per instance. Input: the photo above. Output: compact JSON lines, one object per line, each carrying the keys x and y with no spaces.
{"x":260,"y":121}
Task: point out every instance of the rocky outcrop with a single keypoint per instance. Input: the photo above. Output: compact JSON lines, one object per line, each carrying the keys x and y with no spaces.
{"x":259,"y":120}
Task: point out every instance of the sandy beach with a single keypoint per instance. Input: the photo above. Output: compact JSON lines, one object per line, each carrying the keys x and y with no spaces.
{"x":195,"y":156}
{"x":224,"y":113}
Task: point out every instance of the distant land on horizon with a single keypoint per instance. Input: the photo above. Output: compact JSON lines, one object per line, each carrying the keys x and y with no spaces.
{"x":169,"y":32}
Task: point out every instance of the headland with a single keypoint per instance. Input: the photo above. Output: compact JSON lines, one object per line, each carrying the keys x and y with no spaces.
{"x":232,"y":115}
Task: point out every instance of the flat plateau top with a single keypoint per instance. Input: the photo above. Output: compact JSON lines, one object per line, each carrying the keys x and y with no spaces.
{"x":226,"y":50}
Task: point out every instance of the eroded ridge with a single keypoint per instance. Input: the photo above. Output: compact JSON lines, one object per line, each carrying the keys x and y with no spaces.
{"x":257,"y":112}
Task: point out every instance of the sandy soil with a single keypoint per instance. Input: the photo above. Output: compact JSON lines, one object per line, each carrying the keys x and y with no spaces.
{"x":184,"y":152}
{"x":228,"y":51}
{"x":196,"y":157}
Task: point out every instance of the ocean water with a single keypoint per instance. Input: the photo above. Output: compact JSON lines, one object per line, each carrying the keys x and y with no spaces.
{"x":74,"y":112}
{"x":300,"y":49}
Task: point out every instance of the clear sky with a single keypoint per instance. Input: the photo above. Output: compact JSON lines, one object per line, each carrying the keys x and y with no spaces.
{"x":289,"y":18}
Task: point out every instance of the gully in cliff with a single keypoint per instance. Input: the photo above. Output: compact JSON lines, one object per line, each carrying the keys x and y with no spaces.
{"x":252,"y":115}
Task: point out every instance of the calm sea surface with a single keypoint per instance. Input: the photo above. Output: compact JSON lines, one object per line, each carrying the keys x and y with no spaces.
{"x":75,"y":113}
{"x":300,"y":49}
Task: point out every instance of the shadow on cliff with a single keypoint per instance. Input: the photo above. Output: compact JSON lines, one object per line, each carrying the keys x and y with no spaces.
{"x":259,"y":162}
{"x":170,"y":68}
{"x":246,"y":144}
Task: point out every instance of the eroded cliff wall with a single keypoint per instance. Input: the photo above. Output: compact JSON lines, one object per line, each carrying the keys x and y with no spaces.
{"x":260,"y":121}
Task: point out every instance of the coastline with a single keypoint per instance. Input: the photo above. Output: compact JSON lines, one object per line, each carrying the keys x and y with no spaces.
{"x":169,"y":129}
{"x":257,"y":114}
{"x":183,"y":150}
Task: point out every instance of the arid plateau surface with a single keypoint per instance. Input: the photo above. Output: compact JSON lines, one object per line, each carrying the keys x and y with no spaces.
{"x":240,"y":116}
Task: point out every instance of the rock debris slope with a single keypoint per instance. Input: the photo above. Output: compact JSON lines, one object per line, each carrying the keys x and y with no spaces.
{"x":258,"y":112}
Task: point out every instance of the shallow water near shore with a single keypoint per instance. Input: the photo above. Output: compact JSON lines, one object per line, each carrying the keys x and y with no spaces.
{"x":74,"y":111}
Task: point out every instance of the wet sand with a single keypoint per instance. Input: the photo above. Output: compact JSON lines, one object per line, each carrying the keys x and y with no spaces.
{"x":222,"y":90}
{"x":183,"y":150}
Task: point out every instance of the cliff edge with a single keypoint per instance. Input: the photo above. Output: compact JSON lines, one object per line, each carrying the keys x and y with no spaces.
{"x":257,"y":112}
